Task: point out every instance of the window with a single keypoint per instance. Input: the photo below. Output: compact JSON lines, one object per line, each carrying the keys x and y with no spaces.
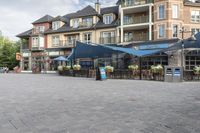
{"x":87,"y":22}
{"x":55,"y":40}
{"x":195,"y":16}
{"x":35,"y":42}
{"x":161,"y":13}
{"x":175,"y":31}
{"x":108,"y":19}
{"x":161,"y":31}
{"x":174,"y":11}
{"x":75,"y":23}
{"x":128,"y":20}
{"x":39,"y":29}
{"x":55,"y":25}
{"x":71,"y":39}
{"x":129,"y":2}
{"x":192,"y":59}
{"x":108,"y":37}
{"x":128,"y":37}
{"x":195,"y":31}
{"x":87,"y":37}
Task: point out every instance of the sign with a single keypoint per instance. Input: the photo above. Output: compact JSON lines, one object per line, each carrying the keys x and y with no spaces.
{"x":155,"y":46}
{"x":18,"y":56}
{"x":102,"y":73}
{"x":177,"y":72}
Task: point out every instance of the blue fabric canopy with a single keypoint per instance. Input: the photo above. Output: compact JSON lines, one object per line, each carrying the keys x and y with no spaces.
{"x":60,"y":58}
{"x":83,"y":50}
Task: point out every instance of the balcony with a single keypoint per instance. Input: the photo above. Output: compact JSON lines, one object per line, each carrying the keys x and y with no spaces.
{"x":63,"y":44}
{"x":136,"y":20}
{"x":129,"y":3}
{"x":24,"y":46}
{"x":37,"y":48}
{"x":108,"y":40}
{"x":137,"y":37}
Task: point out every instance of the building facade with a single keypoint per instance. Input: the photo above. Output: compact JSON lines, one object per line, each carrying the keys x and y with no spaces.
{"x":130,"y":21}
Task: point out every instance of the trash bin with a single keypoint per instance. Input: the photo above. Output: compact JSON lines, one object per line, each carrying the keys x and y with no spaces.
{"x":168,"y":74}
{"x":177,"y":74}
{"x":173,"y":74}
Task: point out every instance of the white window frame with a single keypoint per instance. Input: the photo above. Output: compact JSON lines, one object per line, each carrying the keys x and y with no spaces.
{"x":86,"y":40}
{"x":174,"y":31}
{"x":55,"y":40}
{"x":75,"y":23}
{"x":39,"y":29}
{"x":108,"y":18}
{"x":195,"y":16}
{"x":175,"y":10}
{"x":55,"y":25}
{"x":35,"y":41}
{"x":159,"y":11}
{"x":164,"y":33}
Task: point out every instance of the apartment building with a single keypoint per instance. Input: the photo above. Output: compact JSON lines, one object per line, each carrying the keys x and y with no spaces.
{"x":130,"y":21}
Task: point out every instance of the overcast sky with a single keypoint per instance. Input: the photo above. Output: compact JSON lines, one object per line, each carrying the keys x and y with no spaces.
{"x":17,"y":15}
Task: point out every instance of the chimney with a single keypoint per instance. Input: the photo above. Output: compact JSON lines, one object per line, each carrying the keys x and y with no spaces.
{"x":98,"y":7}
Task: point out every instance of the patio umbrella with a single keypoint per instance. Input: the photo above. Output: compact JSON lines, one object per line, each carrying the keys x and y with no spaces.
{"x":60,"y":58}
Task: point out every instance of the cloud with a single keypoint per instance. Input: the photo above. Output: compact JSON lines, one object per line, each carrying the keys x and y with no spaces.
{"x":17,"y":15}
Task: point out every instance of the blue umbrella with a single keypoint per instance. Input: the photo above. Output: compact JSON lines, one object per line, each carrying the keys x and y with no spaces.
{"x":60,"y":58}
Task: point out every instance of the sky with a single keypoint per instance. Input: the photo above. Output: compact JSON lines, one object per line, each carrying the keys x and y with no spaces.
{"x":17,"y":15}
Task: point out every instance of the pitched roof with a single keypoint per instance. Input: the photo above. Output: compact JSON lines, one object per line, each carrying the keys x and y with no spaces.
{"x":25,"y":34}
{"x":107,"y":10}
{"x":87,"y":11}
{"x":46,"y":18}
{"x":59,"y":18}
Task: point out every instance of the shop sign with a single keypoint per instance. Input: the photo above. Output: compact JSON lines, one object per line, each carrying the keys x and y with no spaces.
{"x":155,"y":46}
{"x":25,"y":54}
{"x":39,"y":54}
{"x":102,"y":73}
{"x":54,"y":53}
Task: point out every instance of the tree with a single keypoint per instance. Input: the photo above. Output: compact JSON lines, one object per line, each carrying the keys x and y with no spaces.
{"x":8,"y":50}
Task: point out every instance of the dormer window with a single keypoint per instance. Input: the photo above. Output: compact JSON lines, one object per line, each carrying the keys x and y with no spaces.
{"x":39,"y":29}
{"x":56,"y":25}
{"x":108,"y":19}
{"x":87,"y":22}
{"x":75,"y":23}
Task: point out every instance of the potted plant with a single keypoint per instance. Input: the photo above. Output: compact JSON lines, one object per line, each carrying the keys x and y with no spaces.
{"x":77,"y":67}
{"x":109,"y":69}
{"x":134,"y":69}
{"x":196,"y":70}
{"x":66,"y":68}
{"x":60,"y":68}
{"x":157,"y":70}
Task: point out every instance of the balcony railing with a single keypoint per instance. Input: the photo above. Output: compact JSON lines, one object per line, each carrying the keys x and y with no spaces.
{"x":128,"y":3}
{"x":64,"y":43}
{"x":25,"y":46}
{"x":108,"y":40}
{"x":37,"y":48}
{"x":136,"y":20}
{"x":139,"y":37}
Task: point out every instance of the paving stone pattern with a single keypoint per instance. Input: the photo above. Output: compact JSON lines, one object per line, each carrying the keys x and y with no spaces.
{"x":55,"y":104}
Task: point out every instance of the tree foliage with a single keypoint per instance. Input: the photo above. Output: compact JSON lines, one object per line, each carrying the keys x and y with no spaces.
{"x":8,"y":50}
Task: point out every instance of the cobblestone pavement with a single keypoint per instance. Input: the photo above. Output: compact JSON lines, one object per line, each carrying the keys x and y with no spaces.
{"x":54,"y":104}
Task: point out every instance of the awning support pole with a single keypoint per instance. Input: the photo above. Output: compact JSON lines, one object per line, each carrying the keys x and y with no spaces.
{"x":140,"y":68}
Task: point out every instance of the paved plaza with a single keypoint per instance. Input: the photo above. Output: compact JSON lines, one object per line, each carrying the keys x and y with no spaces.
{"x":55,"y":104}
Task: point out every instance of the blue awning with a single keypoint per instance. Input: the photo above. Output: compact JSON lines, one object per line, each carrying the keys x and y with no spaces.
{"x":60,"y":58}
{"x":83,"y":50}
